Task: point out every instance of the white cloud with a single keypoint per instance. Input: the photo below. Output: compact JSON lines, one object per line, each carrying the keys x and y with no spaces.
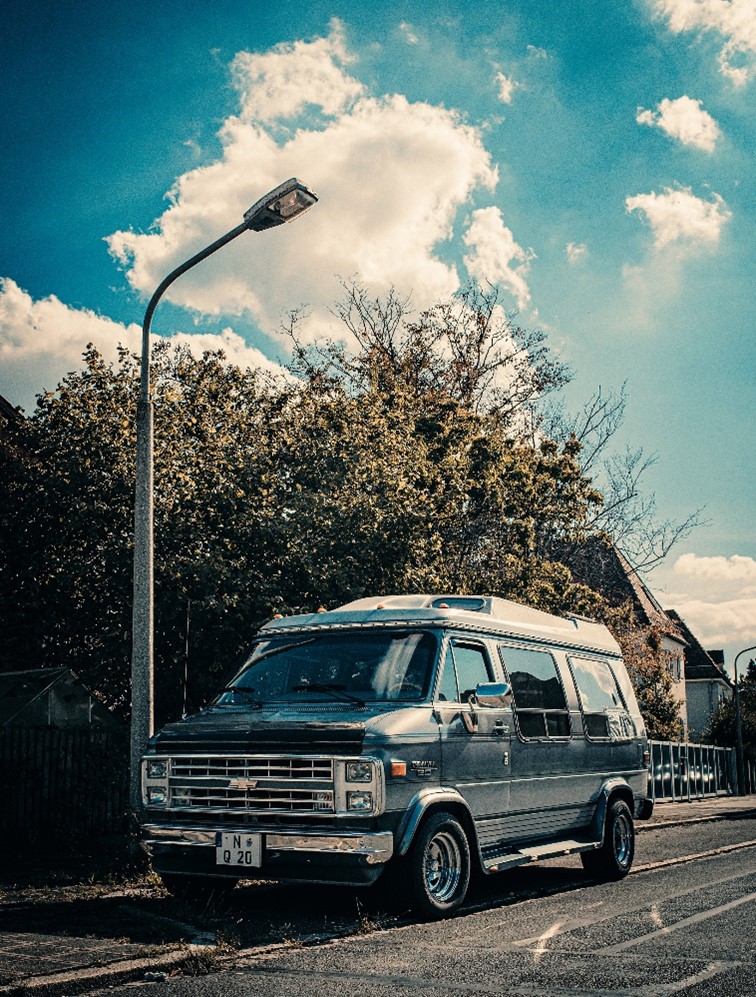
{"x":678,"y":215}
{"x":391,"y":176}
{"x":683,"y":119}
{"x":40,"y":341}
{"x":409,"y":33}
{"x":576,"y":251}
{"x":716,"y":596}
{"x":493,"y":251}
{"x":736,"y":574}
{"x":733,"y":20}
{"x":537,"y":53}
{"x":507,"y":87}
{"x":280,"y":83}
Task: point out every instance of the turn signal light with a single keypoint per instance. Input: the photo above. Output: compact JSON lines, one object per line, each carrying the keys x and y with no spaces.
{"x":398,"y":769}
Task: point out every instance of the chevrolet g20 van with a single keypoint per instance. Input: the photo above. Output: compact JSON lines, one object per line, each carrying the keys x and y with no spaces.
{"x":430,"y":735}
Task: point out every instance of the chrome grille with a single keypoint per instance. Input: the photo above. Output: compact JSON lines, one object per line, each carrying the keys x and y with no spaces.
{"x":252,"y":784}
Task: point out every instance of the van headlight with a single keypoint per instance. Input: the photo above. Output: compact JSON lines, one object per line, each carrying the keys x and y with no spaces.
{"x":361,"y":801}
{"x":361,"y":771}
{"x":157,"y":768}
{"x":358,"y":784}
{"x":155,"y":772}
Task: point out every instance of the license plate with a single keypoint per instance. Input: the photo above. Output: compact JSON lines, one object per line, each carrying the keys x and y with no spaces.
{"x":240,"y":849}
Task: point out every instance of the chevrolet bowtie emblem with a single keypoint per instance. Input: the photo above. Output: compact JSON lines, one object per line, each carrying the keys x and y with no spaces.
{"x":242,"y":783}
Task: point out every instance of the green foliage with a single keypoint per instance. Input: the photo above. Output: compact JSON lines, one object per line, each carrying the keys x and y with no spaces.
{"x":406,"y":463}
{"x":722,"y":728}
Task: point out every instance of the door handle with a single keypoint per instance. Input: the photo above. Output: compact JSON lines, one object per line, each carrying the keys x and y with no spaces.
{"x":500,"y":727}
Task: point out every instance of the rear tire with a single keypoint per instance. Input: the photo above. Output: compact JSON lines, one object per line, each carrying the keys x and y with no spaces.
{"x":439,"y":866}
{"x":615,"y":857}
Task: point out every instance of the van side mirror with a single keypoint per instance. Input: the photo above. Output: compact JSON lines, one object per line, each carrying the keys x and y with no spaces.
{"x":493,"y":694}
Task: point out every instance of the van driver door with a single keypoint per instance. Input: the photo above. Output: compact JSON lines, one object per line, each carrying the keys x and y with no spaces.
{"x":475,"y":739}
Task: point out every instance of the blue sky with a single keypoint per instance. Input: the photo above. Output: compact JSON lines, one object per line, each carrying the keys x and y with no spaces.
{"x":594,"y":158}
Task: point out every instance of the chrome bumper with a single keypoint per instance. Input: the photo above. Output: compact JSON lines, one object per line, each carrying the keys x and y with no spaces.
{"x":376,"y":847}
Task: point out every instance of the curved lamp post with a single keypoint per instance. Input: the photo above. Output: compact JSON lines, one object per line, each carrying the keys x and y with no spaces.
{"x":739,"y":725}
{"x":287,"y":202}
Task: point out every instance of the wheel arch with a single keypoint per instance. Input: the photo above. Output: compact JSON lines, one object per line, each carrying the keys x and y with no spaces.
{"x":430,"y":801}
{"x":611,"y":790}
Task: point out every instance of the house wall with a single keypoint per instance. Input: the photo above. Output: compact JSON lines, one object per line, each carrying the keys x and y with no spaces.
{"x":675,"y":655}
{"x":703,"y":697}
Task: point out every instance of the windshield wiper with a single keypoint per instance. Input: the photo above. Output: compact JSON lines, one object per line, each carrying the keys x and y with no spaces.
{"x":246,"y":694}
{"x":337,"y":691}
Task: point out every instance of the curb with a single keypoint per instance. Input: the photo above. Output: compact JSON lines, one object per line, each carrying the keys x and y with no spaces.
{"x":81,"y":981}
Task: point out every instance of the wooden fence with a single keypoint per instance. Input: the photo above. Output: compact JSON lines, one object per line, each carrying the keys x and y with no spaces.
{"x":62,"y":788}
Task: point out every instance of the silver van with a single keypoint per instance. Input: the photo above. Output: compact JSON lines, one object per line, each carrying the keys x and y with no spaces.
{"x":424,"y":735}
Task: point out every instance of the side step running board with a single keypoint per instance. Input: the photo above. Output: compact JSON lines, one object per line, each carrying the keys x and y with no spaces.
{"x":549,"y":850}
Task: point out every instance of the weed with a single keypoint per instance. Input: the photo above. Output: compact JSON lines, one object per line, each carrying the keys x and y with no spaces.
{"x":289,"y":936}
{"x":365,"y":924}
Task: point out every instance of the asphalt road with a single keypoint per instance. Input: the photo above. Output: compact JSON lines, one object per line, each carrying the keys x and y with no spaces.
{"x":672,"y":927}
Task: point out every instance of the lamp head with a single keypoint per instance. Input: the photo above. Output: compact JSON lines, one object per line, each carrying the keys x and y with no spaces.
{"x":288,"y":201}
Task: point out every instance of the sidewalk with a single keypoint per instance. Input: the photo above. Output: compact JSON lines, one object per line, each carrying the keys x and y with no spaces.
{"x":72,"y":940}
{"x":713,"y":808}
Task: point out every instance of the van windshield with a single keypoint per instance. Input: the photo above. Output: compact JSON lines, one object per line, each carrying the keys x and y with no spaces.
{"x":352,"y":667}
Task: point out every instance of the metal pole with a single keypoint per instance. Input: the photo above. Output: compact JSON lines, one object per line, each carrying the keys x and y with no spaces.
{"x":142,"y":653}
{"x":739,"y":725}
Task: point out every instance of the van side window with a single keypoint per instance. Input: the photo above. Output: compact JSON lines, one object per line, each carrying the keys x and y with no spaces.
{"x":540,"y":704}
{"x":465,"y":667}
{"x":604,"y":711}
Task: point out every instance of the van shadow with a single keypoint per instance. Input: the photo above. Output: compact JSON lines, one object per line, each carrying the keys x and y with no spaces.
{"x":262,"y":913}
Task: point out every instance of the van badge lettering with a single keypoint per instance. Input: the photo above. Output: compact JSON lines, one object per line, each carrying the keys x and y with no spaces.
{"x":424,"y":768}
{"x":241,"y":783}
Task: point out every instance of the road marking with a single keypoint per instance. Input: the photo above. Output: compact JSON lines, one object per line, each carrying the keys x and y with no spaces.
{"x":608,"y":913}
{"x":712,"y":970}
{"x":555,"y":929}
{"x":686,"y":922}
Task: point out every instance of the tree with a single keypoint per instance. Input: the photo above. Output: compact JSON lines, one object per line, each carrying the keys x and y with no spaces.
{"x":627,"y":515}
{"x":722,"y":727}
{"x":404,"y":463}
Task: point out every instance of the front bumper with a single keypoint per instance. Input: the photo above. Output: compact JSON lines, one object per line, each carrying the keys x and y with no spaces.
{"x":349,"y":858}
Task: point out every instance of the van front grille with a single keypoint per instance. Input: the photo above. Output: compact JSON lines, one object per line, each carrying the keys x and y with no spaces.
{"x":252,"y":784}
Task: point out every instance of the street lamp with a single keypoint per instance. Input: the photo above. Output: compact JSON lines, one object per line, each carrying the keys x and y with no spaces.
{"x":739,"y":726}
{"x":288,"y":201}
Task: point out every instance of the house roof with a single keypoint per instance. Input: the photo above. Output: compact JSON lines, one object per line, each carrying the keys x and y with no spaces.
{"x":23,"y":693}
{"x":19,"y":689}
{"x":604,"y":568}
{"x":8,"y":412}
{"x":699,"y":664}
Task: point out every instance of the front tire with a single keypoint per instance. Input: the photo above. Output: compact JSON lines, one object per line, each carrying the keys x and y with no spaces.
{"x":615,"y":857}
{"x":439,"y":866}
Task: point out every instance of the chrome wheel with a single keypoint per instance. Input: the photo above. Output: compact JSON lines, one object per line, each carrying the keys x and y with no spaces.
{"x":438,"y":865}
{"x":615,"y":857}
{"x":442,"y":866}
{"x":623,"y":840}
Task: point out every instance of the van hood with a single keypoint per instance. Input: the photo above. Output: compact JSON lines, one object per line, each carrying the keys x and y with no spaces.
{"x":270,"y":730}
{"x":333,"y":729}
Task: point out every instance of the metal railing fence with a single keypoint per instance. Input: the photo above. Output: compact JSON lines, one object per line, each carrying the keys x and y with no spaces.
{"x":683,"y":770}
